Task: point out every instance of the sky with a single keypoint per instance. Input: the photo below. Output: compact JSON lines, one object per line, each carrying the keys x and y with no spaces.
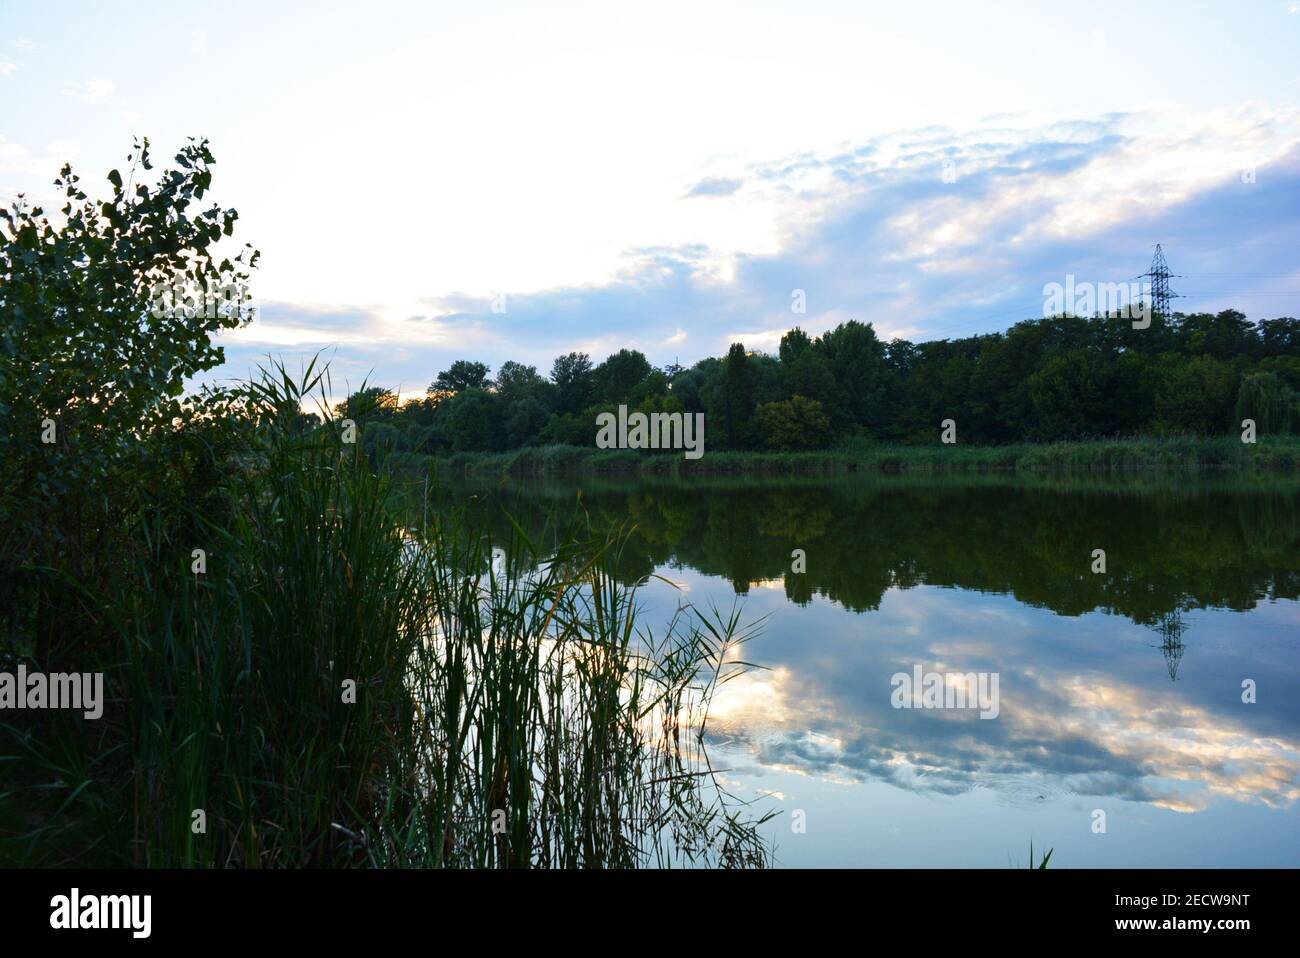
{"x":435,"y":181}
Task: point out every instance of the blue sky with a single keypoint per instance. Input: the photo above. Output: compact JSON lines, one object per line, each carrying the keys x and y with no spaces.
{"x":666,"y":176}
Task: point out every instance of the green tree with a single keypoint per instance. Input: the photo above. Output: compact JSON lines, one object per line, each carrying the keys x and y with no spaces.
{"x":1193,"y":396}
{"x":369,"y":402}
{"x":474,"y":421}
{"x":104,"y":316}
{"x":462,"y":375}
{"x":515,"y":381}
{"x":793,"y":345}
{"x":654,"y":385}
{"x":731,"y":403}
{"x":1266,"y":399}
{"x":570,"y":429}
{"x":809,"y":374}
{"x":572,"y":377}
{"x":617,"y":376}
{"x":1069,"y":395}
{"x":1280,"y":337}
{"x":691,"y":386}
{"x":792,"y":424}
{"x":857,"y":360}
{"x":1286,"y":367}
{"x":1225,"y":335}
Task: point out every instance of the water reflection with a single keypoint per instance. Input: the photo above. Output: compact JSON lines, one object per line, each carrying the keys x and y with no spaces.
{"x":996,"y":577}
{"x":1171,"y":628}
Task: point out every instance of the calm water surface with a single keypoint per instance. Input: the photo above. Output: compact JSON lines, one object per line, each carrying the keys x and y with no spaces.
{"x":1119,"y":692}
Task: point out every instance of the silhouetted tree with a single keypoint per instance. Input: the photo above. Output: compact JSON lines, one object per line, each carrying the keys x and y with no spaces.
{"x":462,"y":375}
{"x":571,"y":375}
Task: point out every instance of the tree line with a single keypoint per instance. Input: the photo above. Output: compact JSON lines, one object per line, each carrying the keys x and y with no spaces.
{"x":744,"y":532}
{"x":1060,"y":378}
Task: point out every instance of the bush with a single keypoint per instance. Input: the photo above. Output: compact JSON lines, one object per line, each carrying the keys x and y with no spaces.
{"x":792,"y":424}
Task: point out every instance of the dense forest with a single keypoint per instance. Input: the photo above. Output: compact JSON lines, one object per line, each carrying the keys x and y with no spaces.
{"x":1042,"y":380}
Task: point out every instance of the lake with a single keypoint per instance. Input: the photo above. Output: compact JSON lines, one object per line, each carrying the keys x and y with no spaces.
{"x":1146,"y":715}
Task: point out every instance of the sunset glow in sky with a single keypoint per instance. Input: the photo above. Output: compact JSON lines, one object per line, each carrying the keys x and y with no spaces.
{"x":665,"y":176}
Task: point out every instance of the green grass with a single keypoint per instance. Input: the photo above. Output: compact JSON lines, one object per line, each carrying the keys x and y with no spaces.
{"x":1186,"y":454}
{"x":517,"y":717}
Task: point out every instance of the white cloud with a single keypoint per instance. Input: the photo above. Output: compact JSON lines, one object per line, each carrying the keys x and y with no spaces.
{"x":16,"y":158}
{"x":94,"y":90}
{"x":7,"y":67}
{"x":871,"y":231}
{"x":10,"y":153}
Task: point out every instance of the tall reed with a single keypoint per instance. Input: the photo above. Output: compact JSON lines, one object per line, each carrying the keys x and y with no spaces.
{"x":347,"y":683}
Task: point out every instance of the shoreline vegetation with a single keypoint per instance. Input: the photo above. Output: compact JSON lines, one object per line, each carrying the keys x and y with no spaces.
{"x":1272,"y":455}
{"x":1058,"y":390}
{"x":342,"y":677}
{"x":300,"y":668}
